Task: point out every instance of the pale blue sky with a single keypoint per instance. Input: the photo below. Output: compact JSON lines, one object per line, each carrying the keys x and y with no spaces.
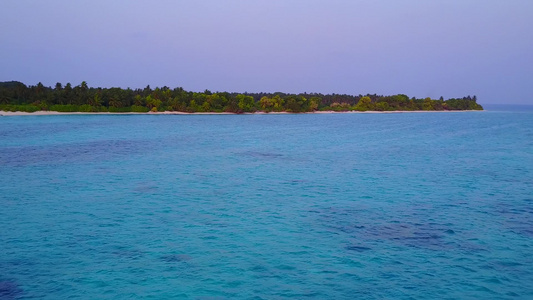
{"x":421,"y":48}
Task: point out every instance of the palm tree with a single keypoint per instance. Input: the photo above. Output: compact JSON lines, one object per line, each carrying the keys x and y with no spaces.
{"x":115,"y":102}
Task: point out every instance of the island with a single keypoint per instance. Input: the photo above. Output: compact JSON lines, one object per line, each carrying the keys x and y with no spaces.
{"x":18,"y":97}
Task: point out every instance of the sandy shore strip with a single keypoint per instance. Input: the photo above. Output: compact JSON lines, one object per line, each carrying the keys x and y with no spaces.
{"x":56,"y":113}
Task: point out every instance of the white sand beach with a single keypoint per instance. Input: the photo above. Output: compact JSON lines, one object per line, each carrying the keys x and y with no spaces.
{"x":54,"y":113}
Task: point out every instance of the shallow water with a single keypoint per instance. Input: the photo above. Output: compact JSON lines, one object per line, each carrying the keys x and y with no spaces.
{"x":327,"y":206}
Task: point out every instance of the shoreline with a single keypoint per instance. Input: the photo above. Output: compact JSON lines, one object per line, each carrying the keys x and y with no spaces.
{"x":56,"y":113}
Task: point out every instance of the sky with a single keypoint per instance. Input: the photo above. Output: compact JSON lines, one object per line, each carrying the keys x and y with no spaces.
{"x":449,"y":48}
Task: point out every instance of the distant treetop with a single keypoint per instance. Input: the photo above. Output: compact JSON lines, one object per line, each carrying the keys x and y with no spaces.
{"x":15,"y":95}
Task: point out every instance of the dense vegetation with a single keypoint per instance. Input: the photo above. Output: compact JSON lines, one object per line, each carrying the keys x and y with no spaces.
{"x":16,"y":96}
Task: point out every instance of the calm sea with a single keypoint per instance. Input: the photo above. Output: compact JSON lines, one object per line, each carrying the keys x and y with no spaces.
{"x":319,"y":206}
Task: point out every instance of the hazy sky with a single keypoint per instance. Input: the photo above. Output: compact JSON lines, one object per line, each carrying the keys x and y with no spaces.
{"x":421,"y":48}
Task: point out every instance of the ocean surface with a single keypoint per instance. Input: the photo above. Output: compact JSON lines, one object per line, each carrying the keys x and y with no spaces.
{"x":309,"y":206}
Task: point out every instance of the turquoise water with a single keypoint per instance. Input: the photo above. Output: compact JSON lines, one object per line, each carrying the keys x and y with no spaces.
{"x":329,"y":206}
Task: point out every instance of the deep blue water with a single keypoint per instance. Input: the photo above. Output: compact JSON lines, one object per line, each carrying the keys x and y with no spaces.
{"x":330,"y":206}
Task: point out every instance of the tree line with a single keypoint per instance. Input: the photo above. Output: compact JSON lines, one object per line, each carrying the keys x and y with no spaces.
{"x":16,"y":96}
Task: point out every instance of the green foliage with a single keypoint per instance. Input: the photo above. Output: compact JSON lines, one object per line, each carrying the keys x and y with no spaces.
{"x":462,"y":104}
{"x":86,"y":108}
{"x":382,"y":106}
{"x":96,"y":100}
{"x":246,"y":103}
{"x":299,"y":103}
{"x":152,"y":102}
{"x":335,"y":106}
{"x":140,"y":109}
{"x":428,"y":104}
{"x":21,"y":107}
{"x":314,"y":102}
{"x":64,"y":108}
{"x":270,"y":104}
{"x":278,"y":103}
{"x":364,"y":104}
{"x":15,"y":96}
